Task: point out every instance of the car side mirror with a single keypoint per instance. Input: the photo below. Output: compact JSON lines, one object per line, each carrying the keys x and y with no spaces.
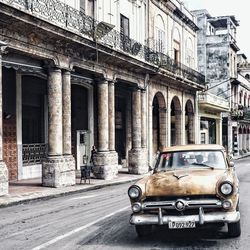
{"x":231,"y":164}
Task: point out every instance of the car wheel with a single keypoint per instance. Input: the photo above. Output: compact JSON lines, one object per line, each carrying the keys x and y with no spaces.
{"x":234,"y":229}
{"x":143,"y":230}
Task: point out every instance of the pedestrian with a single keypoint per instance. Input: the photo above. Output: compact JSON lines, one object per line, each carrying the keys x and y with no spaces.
{"x":93,"y":151}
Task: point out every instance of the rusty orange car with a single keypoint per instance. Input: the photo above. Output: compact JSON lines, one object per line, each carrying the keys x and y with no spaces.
{"x":190,"y":186}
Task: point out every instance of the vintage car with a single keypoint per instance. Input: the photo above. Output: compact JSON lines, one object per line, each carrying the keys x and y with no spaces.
{"x":190,"y":186}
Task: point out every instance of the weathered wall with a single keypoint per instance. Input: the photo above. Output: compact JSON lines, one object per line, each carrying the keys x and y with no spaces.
{"x":9,"y":123}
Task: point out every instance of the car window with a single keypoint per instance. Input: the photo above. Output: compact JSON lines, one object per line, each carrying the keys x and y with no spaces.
{"x":185,"y":159}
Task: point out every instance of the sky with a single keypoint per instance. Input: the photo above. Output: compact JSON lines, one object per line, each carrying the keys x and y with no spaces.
{"x":237,"y":8}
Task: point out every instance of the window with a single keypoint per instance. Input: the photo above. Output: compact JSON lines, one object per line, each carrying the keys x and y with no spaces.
{"x":159,"y":34}
{"x":176,"y":51}
{"x":245,"y":100}
{"x":124,"y":26}
{"x":176,"y":45}
{"x":241,"y":97}
{"x":189,"y":53}
{"x":160,"y":40}
{"x":247,"y":76}
{"x":191,"y":159}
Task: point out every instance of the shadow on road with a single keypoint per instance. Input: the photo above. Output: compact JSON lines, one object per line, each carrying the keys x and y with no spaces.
{"x":121,"y":235}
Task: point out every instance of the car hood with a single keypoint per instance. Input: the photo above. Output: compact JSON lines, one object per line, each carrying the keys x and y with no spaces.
{"x":184,"y":182}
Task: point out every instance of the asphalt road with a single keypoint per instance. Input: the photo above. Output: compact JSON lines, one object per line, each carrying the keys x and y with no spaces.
{"x":100,"y":220}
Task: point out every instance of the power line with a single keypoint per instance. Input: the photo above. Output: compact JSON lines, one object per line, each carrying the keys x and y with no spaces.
{"x":217,"y":84}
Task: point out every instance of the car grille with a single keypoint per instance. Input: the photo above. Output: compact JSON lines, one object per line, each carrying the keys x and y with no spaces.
{"x":192,"y":204}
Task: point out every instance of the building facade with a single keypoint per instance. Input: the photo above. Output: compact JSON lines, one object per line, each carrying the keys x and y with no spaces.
{"x":120,"y":76}
{"x":217,"y":60}
{"x":240,"y":108}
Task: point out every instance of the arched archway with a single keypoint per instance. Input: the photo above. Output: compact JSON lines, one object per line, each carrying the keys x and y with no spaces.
{"x":189,"y":123}
{"x":159,"y":122}
{"x":175,"y":121}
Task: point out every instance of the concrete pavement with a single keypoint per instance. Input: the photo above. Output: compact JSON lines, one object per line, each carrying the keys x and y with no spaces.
{"x":26,"y":190}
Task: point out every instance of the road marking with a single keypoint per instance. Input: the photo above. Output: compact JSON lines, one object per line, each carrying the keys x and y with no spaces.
{"x":46,"y":244}
{"x":83,"y":197}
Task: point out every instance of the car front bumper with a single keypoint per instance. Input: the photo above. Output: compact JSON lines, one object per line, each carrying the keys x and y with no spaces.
{"x":201,"y":218}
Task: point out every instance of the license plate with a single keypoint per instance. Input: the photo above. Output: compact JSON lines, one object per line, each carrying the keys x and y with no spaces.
{"x":181,"y":224}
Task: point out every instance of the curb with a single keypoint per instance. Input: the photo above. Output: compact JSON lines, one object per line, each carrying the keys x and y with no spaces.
{"x":41,"y":196}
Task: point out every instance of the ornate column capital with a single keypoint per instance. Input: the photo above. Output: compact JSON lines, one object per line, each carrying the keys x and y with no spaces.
{"x":3,"y":48}
{"x":101,"y":81}
{"x":111,"y":82}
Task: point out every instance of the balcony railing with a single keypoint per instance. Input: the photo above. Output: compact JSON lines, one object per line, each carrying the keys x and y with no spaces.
{"x":34,"y":153}
{"x":67,"y":17}
{"x":240,"y":112}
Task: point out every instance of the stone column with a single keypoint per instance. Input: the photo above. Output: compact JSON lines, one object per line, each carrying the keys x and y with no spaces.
{"x":111,"y":115}
{"x":4,"y":183}
{"x":138,"y":162}
{"x":198,"y":132}
{"x":103,"y":116}
{"x":191,"y":128}
{"x":219,"y":131}
{"x":143,"y":119}
{"x":57,"y":171}
{"x":136,"y":119}
{"x":128,"y":128}
{"x":178,"y":127}
{"x":105,"y":161}
{"x":163,"y":127}
{"x":66,"y":99}
{"x":55,"y":139}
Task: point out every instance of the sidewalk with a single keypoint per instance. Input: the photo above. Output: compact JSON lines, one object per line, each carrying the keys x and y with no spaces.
{"x":26,"y":190}
{"x":241,"y":156}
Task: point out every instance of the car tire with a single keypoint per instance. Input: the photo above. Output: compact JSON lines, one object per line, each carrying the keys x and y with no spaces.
{"x":234,"y":229}
{"x":143,"y":230}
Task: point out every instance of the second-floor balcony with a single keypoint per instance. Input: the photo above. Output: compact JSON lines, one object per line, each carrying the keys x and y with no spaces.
{"x":66,"y":17}
{"x":213,"y":102}
{"x":240,"y":113}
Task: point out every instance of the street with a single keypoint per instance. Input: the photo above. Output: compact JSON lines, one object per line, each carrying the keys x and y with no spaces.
{"x":99,"y":219}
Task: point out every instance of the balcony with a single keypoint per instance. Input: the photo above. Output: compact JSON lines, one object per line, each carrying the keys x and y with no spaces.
{"x":60,"y":14}
{"x":213,"y":102}
{"x":240,"y":113}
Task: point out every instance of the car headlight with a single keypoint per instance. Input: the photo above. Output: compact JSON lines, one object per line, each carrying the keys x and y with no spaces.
{"x":134,"y":192}
{"x":226,"y":188}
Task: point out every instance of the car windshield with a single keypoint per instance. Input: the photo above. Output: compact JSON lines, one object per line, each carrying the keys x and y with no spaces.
{"x":213,"y":159}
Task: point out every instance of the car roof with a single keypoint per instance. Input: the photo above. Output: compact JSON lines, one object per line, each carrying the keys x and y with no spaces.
{"x":193,"y":147}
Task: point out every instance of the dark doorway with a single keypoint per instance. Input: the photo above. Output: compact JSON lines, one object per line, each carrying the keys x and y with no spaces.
{"x":120,"y":127}
{"x":79,"y":112}
{"x":156,"y":125}
{"x":34,"y":91}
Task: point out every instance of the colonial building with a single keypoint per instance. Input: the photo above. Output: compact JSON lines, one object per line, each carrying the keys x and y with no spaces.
{"x":217,"y":60}
{"x":240,"y":108}
{"x":118,"y":75}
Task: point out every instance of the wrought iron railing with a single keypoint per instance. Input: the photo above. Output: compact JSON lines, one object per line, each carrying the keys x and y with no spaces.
{"x":65,"y":16}
{"x":34,"y":153}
